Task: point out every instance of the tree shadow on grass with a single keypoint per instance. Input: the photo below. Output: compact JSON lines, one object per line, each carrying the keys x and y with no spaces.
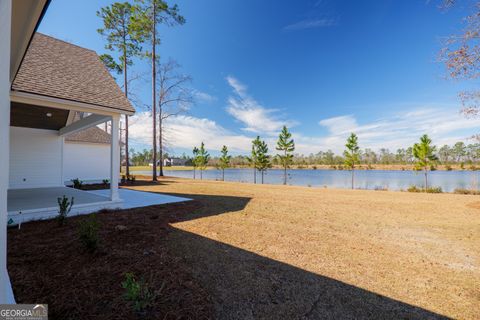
{"x":239,"y":283}
{"x":245,"y":285}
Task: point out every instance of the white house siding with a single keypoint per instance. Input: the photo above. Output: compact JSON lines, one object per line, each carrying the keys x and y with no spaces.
{"x":35,"y":158}
{"x":86,"y":161}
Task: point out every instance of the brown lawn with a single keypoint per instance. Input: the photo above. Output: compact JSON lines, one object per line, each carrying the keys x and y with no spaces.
{"x":243,"y":251}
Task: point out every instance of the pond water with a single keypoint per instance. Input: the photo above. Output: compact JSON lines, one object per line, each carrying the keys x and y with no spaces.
{"x":364,"y":179}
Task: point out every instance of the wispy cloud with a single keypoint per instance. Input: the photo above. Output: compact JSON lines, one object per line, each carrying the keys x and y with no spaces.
{"x":255,"y":117}
{"x":311,"y":23}
{"x":204,"y":97}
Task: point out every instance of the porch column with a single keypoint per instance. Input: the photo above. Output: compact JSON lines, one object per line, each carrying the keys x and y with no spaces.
{"x":115,"y":158}
{"x":5,"y":27}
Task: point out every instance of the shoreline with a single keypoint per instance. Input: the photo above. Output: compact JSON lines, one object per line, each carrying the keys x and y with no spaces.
{"x":455,"y":168}
{"x":471,"y":192}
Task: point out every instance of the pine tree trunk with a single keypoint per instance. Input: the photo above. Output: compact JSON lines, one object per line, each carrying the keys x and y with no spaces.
{"x":194,"y":173}
{"x":426,"y":179}
{"x":262,"y":176}
{"x":353,"y":178}
{"x":201,"y":174}
{"x":254,"y":175}
{"x":125,"y":85}
{"x":154,"y":93}
{"x":223,"y":174}
{"x":160,"y":139}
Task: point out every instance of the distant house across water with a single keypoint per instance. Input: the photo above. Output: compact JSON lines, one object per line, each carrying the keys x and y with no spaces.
{"x":171,"y":162}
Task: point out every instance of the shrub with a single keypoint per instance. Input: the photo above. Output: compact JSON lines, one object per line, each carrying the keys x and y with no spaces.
{"x":467,"y":191}
{"x":448,"y":167}
{"x":432,"y":168}
{"x":434,"y":190}
{"x":314,"y":167}
{"x":124,"y":179}
{"x":105,"y":182}
{"x":131,"y":179}
{"x":137,"y":292}
{"x":381,"y":188}
{"x":414,"y":189}
{"x":88,"y":232}
{"x":473,"y":168}
{"x":429,"y":189}
{"x":77,"y":183}
{"x":64,"y":208}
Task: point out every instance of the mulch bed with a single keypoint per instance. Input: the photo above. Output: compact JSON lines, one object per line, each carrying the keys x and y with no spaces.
{"x":48,"y":264}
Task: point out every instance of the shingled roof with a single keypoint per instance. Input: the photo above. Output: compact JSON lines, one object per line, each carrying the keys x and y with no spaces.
{"x":59,"y":69}
{"x":92,"y":135}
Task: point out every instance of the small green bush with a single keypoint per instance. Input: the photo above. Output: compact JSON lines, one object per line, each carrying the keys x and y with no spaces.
{"x":467,"y":191}
{"x":105,"y":182}
{"x":314,"y":167}
{"x":64,"y":208}
{"x":429,"y":189}
{"x":137,"y":292}
{"x":448,"y":167}
{"x":77,"y":183}
{"x":88,"y":232}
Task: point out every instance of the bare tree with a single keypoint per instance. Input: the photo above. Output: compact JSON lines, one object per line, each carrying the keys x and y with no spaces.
{"x":175,"y":97}
{"x":461,"y":56}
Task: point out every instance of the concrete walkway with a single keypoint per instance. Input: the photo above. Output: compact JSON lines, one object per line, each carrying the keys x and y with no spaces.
{"x":137,"y":199}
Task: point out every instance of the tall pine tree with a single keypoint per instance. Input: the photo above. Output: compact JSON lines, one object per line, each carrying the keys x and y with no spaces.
{"x":123,"y":37}
{"x":286,"y":145}
{"x":352,"y":155}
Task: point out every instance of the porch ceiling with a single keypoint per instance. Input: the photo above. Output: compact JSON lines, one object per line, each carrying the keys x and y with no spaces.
{"x":30,"y":116}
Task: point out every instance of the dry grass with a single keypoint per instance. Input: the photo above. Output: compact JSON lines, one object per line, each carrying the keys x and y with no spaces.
{"x":242,"y":251}
{"x":265,"y":251}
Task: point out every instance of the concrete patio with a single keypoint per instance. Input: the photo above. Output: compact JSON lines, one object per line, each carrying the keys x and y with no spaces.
{"x":41,"y":203}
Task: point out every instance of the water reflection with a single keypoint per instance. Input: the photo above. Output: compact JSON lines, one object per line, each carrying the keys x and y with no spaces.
{"x":364,"y":179}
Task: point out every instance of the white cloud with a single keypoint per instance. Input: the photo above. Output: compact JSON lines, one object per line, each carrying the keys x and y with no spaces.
{"x":311,"y":23}
{"x":255,"y":117}
{"x":186,"y":132}
{"x":443,"y":125}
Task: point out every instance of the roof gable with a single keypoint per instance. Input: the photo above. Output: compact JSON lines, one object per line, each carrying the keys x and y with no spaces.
{"x":91,"y":135}
{"x":55,"y":68}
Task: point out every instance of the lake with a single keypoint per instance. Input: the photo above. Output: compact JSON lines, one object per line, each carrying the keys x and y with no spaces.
{"x":364,"y":179}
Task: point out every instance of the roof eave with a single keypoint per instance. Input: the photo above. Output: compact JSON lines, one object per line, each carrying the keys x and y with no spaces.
{"x":53,"y":102}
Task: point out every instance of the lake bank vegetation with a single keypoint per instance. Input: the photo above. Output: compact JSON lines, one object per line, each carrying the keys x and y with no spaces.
{"x":459,"y":156}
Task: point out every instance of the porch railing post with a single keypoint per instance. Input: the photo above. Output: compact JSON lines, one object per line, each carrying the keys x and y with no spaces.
{"x":115,"y":158}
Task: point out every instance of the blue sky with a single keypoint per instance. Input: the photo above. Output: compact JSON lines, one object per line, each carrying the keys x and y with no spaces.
{"x":325,"y":68}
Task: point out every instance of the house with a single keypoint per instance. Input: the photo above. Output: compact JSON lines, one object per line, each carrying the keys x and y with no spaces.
{"x":44,"y":82}
{"x":170,"y":162}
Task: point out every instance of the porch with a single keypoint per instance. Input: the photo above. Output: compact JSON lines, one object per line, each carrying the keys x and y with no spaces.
{"x":41,"y":203}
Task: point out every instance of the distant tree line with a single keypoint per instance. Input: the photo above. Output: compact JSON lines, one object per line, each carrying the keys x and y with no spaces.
{"x":456,"y":154}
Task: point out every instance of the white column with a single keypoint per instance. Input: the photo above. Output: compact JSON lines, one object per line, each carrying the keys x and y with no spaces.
{"x":115,"y":158}
{"x":5,"y":27}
